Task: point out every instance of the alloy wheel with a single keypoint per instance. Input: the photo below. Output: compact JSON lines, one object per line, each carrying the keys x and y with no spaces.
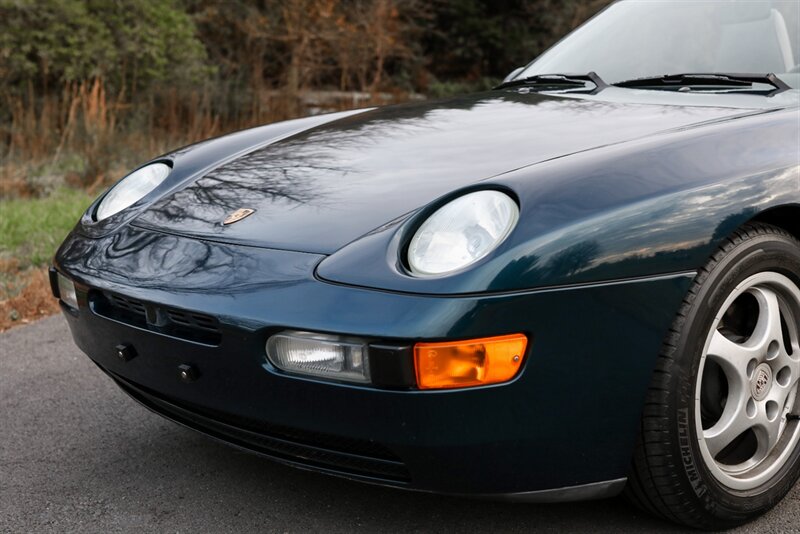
{"x":746,"y":394}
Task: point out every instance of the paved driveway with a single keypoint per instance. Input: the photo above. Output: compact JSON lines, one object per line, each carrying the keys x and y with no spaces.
{"x":78,"y":455}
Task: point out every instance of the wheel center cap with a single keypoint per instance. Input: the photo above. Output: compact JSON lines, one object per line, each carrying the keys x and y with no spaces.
{"x":761,"y":382}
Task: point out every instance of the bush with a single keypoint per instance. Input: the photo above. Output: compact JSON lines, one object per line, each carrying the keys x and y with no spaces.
{"x":45,"y":44}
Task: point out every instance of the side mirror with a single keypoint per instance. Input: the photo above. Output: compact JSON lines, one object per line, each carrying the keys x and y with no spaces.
{"x":513,"y":74}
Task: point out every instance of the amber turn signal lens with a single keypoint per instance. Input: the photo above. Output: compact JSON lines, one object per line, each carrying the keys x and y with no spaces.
{"x":472,"y":362}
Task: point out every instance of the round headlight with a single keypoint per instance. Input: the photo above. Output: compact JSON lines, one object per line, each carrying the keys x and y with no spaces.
{"x":131,"y":189}
{"x":462,"y":232}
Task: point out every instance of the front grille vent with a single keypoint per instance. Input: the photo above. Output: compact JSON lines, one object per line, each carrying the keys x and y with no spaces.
{"x":192,"y":320}
{"x":127,"y":304}
{"x":175,"y":322}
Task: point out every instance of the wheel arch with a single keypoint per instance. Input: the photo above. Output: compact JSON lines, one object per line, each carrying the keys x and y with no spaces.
{"x":786,"y":217}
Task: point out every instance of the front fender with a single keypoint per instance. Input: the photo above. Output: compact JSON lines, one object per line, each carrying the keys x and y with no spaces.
{"x":661,"y":204}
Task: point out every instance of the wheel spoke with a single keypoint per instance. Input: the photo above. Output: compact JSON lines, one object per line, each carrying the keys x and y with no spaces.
{"x":768,"y":328}
{"x":767,"y":432}
{"x":732,"y":356}
{"x":780,"y":392}
{"x":733,"y":422}
{"x":784,"y":360}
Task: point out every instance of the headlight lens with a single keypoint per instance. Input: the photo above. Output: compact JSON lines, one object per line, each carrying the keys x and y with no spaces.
{"x":462,"y":232}
{"x":131,"y":189}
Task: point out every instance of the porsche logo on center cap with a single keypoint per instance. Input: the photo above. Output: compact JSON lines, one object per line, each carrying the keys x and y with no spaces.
{"x":761,"y":382}
{"x":237,"y":215}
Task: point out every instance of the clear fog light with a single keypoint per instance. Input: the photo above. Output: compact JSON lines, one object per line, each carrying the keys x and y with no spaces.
{"x":66,"y":290}
{"x":319,"y":355}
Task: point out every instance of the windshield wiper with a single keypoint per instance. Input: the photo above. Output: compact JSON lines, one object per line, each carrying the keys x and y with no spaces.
{"x":558,"y":81}
{"x":723,"y":80}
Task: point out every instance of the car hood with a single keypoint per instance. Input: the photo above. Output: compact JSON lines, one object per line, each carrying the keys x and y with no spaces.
{"x":322,"y":188}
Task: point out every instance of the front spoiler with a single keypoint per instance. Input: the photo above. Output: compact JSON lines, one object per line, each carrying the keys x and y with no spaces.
{"x":583,"y":492}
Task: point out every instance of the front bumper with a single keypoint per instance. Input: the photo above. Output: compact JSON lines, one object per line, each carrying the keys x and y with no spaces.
{"x":568,"y":420}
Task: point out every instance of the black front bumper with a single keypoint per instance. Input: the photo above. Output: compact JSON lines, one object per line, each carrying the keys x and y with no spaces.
{"x":569,"y":419}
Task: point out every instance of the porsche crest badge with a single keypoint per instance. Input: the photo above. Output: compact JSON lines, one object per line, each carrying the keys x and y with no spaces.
{"x":237,"y":216}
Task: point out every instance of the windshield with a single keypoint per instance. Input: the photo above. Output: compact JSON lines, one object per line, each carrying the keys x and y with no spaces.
{"x":646,"y":38}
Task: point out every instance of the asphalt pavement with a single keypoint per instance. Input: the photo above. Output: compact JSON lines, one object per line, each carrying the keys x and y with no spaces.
{"x":77,"y":455}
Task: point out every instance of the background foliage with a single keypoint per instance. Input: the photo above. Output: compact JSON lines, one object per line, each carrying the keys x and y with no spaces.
{"x":80,"y":79}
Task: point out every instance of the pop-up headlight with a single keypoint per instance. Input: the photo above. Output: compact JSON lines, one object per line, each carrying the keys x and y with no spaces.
{"x":462,"y":232}
{"x":131,"y":189}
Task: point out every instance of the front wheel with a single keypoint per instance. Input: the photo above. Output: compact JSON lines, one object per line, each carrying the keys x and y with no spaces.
{"x":721,"y":424}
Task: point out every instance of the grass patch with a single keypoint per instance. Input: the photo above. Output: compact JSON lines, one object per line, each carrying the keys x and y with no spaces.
{"x":32,"y":228}
{"x":30,"y":231}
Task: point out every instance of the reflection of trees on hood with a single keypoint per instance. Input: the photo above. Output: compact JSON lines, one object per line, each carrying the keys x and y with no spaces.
{"x":263,"y":175}
{"x":150,"y":260}
{"x":300,"y":169}
{"x":417,"y":141}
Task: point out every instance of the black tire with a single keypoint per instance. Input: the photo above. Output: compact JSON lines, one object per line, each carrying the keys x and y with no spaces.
{"x":669,"y":476}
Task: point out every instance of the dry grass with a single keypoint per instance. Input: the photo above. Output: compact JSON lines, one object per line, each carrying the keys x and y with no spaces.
{"x":79,"y":134}
{"x":33,"y":299}
{"x":86,"y":137}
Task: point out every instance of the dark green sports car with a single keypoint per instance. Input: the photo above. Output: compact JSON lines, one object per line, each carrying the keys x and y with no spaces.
{"x":583,"y":282}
